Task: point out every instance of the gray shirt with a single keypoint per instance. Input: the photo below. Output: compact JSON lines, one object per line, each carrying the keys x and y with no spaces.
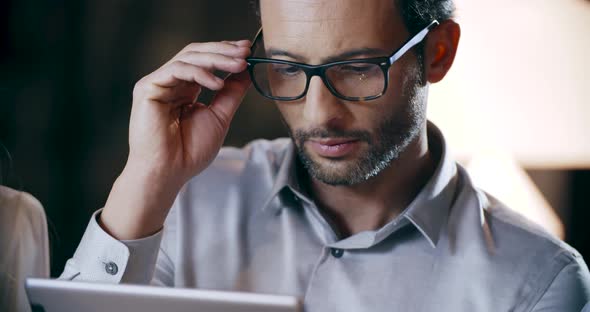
{"x":246,"y":224}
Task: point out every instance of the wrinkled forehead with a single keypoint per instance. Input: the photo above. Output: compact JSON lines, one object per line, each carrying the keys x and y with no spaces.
{"x":317,"y":29}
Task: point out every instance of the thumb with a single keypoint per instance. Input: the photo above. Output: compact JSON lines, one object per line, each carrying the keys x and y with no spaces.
{"x":227,"y":100}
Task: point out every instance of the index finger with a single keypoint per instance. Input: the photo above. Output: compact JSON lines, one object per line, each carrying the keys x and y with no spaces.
{"x":228,"y":99}
{"x":224,"y":48}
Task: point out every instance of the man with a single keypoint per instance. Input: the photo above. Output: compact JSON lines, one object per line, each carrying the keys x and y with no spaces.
{"x":362,"y":210}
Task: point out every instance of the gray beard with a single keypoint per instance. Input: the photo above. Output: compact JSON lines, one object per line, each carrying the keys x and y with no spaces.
{"x":393,"y":136}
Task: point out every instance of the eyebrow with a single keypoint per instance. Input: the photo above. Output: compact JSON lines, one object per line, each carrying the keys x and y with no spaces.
{"x":350,"y":54}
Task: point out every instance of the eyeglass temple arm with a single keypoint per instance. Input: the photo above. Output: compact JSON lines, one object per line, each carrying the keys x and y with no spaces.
{"x":258,"y":34}
{"x":256,"y":38}
{"x":412,"y":42}
{"x":409,"y":44}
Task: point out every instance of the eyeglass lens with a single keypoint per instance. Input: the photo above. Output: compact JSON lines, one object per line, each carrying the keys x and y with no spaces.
{"x":352,"y":80}
{"x":288,"y":81}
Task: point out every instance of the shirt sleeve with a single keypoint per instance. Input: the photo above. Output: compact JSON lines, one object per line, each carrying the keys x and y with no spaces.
{"x":569,"y":291}
{"x":102,"y":258}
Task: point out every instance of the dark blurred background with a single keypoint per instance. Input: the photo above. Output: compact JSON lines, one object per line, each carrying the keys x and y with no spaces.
{"x":67,"y":69}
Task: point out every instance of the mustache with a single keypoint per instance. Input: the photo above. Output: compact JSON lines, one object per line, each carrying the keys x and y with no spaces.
{"x":300,"y":136}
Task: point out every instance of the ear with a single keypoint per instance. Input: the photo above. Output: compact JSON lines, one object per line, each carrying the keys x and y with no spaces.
{"x":440,"y":50}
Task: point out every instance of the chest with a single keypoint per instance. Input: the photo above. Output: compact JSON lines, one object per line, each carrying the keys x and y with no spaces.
{"x":291,"y":256}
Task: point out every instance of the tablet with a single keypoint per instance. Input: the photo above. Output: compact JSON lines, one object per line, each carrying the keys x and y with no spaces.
{"x":47,"y":295}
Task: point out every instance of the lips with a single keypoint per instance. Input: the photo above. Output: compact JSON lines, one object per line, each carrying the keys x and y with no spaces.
{"x":334,"y":147}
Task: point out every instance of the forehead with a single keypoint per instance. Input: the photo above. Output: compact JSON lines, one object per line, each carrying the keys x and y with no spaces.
{"x":321,"y":28}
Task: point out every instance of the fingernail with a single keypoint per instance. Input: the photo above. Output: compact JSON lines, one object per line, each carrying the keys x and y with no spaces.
{"x":243,"y":43}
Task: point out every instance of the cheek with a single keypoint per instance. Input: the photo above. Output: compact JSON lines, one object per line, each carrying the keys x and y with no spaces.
{"x":368,"y":116}
{"x":291,"y":113}
{"x":388,"y":109}
{"x":396,"y":81}
{"x":404,"y":74}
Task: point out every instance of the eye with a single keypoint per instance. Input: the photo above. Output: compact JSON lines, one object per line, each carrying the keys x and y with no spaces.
{"x":286,"y":70}
{"x":357,"y":68}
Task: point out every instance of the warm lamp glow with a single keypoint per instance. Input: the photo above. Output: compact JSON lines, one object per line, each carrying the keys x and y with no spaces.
{"x":520,"y":81}
{"x":519,"y":85}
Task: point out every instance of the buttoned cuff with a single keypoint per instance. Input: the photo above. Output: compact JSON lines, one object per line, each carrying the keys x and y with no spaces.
{"x":102,"y":258}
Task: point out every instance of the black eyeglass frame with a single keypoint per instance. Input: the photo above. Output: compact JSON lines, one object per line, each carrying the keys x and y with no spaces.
{"x":320,"y":70}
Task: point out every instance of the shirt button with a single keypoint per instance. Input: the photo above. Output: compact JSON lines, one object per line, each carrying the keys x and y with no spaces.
{"x":337,"y":253}
{"x":111,"y":268}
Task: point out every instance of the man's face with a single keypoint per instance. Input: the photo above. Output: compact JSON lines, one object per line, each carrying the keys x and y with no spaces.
{"x":344,"y":142}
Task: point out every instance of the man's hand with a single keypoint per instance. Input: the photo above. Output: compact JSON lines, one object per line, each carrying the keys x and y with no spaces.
{"x":171,"y":137}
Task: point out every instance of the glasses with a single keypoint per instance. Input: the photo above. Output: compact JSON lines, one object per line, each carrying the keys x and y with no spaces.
{"x":350,"y":80}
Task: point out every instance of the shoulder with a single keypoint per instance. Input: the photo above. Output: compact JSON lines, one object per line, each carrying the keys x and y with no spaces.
{"x":509,"y":233}
{"x":17,"y":206}
{"x":537,"y":262}
{"x":516,"y":225}
{"x":511,"y":255}
{"x":569,"y":291}
{"x":510,"y":227}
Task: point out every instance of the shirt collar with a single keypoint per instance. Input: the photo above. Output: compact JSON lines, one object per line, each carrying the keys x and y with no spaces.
{"x":286,"y":185}
{"x":428,"y":212}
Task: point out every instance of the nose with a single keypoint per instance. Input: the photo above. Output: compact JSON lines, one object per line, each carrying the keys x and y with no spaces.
{"x":322,"y":109}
